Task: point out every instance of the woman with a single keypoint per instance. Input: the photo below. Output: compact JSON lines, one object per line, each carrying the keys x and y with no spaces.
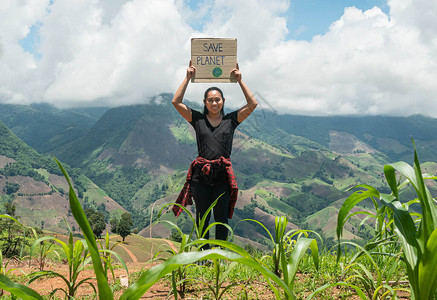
{"x":211,"y":174}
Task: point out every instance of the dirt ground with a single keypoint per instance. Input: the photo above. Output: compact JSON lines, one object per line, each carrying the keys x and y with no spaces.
{"x":159,"y":291}
{"x":46,"y":285}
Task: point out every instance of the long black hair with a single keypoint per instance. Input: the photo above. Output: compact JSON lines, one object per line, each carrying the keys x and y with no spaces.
{"x":213,"y":88}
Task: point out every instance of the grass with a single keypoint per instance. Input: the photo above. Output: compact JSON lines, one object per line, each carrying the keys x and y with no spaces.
{"x":182,"y":134}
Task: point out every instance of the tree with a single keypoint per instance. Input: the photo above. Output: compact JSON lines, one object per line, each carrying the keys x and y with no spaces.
{"x":125,"y":225}
{"x":114,"y":225}
{"x":11,"y":188}
{"x":96,"y":220}
{"x":12,"y":236}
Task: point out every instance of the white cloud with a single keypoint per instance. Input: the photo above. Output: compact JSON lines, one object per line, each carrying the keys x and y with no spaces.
{"x":368,"y":63}
{"x":119,"y":52}
{"x":117,"y":63}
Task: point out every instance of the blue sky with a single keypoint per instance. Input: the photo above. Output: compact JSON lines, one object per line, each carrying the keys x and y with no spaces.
{"x":31,"y":42}
{"x":368,"y":57}
{"x":307,"y":18}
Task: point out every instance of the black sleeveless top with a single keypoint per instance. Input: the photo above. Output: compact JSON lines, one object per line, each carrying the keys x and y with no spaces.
{"x":214,"y":142}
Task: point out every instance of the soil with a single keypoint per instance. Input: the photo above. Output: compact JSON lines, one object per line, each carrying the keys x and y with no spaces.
{"x":160,"y":290}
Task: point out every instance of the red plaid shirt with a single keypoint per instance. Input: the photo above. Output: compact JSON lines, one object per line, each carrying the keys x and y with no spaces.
{"x":186,"y":198}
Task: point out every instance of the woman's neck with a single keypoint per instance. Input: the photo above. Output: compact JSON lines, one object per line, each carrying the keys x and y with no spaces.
{"x":214,"y":119}
{"x":216,"y":116}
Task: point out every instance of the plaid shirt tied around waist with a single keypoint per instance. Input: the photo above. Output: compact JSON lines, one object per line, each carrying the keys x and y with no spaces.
{"x":185,"y":196}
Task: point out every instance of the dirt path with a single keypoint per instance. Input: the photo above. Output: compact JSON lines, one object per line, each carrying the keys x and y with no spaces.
{"x":132,"y":256}
{"x":172,"y":246}
{"x":130,"y":253}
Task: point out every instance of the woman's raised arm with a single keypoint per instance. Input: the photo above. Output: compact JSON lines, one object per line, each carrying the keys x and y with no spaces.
{"x":184,"y":110}
{"x":251,"y":104}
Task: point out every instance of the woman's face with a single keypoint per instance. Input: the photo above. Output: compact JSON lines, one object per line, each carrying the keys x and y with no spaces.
{"x":214,"y":102}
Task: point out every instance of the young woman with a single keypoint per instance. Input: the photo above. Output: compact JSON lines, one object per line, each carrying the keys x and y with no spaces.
{"x":211,"y":174}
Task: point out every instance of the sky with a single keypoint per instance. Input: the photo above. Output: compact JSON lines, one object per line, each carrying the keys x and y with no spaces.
{"x":307,"y":57}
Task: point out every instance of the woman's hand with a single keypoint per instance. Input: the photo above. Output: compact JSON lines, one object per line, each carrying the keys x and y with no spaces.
{"x":191,"y":71}
{"x":236,"y":73}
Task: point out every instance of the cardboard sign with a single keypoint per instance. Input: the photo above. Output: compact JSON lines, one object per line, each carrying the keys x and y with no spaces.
{"x":214,"y":59}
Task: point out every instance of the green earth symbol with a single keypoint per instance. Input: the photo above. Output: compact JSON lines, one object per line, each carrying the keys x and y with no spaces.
{"x":217,"y":72}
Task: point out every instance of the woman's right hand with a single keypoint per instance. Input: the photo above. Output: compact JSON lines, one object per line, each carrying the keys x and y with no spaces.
{"x":191,"y":71}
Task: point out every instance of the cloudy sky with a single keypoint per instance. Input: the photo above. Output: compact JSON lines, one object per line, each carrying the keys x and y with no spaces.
{"x":311,"y":57}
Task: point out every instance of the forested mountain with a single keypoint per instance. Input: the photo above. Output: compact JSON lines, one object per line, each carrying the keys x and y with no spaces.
{"x":35,"y":185}
{"x":388,"y":135}
{"x":44,"y":127}
{"x":286,"y":165}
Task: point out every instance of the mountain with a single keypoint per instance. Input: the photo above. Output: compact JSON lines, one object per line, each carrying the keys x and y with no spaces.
{"x":45,"y":127}
{"x":388,"y":135}
{"x":286,"y":165}
{"x":155,"y":143}
{"x":34,"y":183}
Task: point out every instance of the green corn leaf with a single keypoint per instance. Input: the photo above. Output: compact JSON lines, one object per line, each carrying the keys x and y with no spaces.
{"x":390,"y":176}
{"x":218,"y":224}
{"x":183,"y":209}
{"x":78,"y":213}
{"x":351,"y":202}
{"x":429,"y":210}
{"x":298,"y":253}
{"x":38,"y":241}
{"x":259,"y":223}
{"x":150,"y":277}
{"x":120,"y":259}
{"x":11,"y":218}
{"x":18,"y":289}
{"x":107,"y":239}
{"x":403,"y":222}
{"x":201,"y":231}
{"x":428,"y":268}
{"x":40,"y":274}
{"x":225,"y":244}
{"x":357,"y":289}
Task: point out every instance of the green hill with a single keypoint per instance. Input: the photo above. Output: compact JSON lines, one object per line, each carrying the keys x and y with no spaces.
{"x":286,"y":165}
{"x":386,"y":134}
{"x":35,"y":185}
{"x":44,"y":127}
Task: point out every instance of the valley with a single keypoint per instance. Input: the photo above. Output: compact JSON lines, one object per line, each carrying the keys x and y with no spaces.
{"x":134,"y":159}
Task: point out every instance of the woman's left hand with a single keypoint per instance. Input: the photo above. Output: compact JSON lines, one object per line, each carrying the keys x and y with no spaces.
{"x":236,"y":73}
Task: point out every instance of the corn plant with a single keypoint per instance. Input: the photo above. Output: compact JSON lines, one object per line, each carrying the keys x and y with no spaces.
{"x":6,"y":284}
{"x":374,"y":279}
{"x":107,"y":251}
{"x":282,"y":287}
{"x":76,"y":254}
{"x":288,"y":249}
{"x":232,"y":253}
{"x":220,"y":275}
{"x":179,"y":275}
{"x":43,"y":245}
{"x":417,"y":233}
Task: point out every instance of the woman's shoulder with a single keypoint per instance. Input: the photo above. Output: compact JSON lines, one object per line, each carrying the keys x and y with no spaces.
{"x":232,"y":116}
{"x":196,"y":115}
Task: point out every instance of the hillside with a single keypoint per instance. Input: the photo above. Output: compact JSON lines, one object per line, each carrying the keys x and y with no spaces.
{"x":33,"y":183}
{"x":273,"y":180}
{"x":44,"y":127}
{"x":388,"y":135}
{"x":286,"y":165}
